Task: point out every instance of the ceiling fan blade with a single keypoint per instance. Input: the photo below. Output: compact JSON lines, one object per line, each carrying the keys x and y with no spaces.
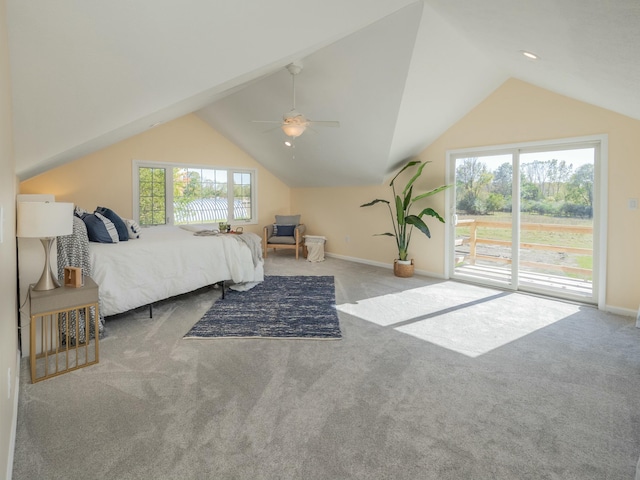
{"x":325,"y":123}
{"x":266,"y":121}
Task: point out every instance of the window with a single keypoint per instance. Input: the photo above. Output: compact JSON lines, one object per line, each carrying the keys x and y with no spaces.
{"x":177,"y":194}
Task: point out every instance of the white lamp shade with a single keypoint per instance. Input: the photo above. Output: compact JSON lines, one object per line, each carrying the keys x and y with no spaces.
{"x":44,"y":219}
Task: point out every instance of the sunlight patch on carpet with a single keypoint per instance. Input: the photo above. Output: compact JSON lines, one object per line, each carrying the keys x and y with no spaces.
{"x":468,"y":319}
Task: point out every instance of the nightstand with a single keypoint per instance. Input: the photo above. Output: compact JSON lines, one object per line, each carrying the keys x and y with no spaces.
{"x":54,"y":349}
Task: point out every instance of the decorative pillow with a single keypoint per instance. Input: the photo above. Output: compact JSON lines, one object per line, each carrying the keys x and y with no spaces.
{"x":97,"y":229}
{"x":284,"y":230}
{"x":288,"y":219}
{"x":110,"y":226}
{"x":133,"y":229}
{"x":79,"y":211}
{"x":121,"y":227}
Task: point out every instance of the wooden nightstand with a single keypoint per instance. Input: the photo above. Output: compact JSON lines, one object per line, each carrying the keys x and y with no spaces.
{"x":54,"y":349}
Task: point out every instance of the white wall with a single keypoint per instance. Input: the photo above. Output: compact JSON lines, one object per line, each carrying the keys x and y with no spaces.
{"x":8,"y":304}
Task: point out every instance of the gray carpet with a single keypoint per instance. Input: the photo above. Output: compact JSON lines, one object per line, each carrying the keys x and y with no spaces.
{"x":460,"y":382}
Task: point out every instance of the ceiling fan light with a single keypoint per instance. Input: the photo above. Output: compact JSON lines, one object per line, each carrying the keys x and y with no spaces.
{"x":293,"y":130}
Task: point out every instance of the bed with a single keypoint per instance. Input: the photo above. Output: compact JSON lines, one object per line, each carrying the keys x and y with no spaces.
{"x":167,"y":261}
{"x":159,"y":263}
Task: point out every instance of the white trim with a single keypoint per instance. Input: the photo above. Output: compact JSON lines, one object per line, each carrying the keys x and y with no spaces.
{"x":450,"y":217}
{"x":360,"y":260}
{"x":602,"y":175}
{"x":625,"y":312}
{"x":14,"y":419}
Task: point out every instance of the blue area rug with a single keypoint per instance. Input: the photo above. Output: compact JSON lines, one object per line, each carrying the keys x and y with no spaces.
{"x":280,"y":307}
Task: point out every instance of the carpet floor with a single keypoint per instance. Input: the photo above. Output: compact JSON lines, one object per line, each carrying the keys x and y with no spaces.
{"x":431,"y":380}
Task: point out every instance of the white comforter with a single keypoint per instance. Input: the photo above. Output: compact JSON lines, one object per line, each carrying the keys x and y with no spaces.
{"x":167,"y":261}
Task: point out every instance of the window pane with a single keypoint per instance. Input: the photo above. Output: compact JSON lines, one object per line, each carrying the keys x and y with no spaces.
{"x":152,"y":195}
{"x":242,"y":196}
{"x":199,"y":196}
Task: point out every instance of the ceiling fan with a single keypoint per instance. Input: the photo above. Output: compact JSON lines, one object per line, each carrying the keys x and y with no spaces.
{"x":294,"y":123}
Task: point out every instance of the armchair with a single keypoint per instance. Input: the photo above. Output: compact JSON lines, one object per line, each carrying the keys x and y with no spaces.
{"x":286,"y":232}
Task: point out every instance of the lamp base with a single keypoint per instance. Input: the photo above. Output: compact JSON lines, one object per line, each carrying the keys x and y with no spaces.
{"x":47,"y":280}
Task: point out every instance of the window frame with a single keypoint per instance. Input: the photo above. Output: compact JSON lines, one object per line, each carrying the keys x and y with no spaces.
{"x":169,"y":211}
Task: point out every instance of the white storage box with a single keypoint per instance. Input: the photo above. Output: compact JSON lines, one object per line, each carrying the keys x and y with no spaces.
{"x":314,"y":245}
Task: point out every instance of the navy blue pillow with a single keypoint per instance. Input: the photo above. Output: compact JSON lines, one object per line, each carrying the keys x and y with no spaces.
{"x":96,"y":231}
{"x":285,"y":230}
{"x":121,"y":227}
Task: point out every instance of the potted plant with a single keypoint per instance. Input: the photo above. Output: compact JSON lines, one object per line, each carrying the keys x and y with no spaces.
{"x":403,"y":220}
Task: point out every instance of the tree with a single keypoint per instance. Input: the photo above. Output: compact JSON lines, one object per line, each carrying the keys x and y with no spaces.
{"x":495,"y":202}
{"x":472,"y":180}
{"x":580,"y":186}
{"x":503,"y":179}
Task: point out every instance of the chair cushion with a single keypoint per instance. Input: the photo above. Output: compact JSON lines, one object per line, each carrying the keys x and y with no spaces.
{"x":284,"y":230}
{"x":286,"y":240}
{"x":287,"y":219}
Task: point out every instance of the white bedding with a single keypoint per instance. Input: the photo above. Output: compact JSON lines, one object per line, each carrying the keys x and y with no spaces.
{"x":167,"y":261}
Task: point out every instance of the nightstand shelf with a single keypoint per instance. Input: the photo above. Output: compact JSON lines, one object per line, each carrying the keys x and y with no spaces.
{"x":54,"y":349}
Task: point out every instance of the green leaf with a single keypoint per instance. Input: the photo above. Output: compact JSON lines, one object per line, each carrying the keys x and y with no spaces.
{"x":432,"y":213}
{"x":407,"y":199}
{"x":419,"y":224}
{"x":399,"y":210}
{"x":415,"y":177}
{"x":386,"y":234}
{"x":410,"y":164}
{"x":432,"y":192}
{"x":374,"y":202}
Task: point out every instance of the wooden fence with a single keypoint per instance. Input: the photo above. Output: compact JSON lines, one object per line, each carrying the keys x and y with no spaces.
{"x":473,"y":240}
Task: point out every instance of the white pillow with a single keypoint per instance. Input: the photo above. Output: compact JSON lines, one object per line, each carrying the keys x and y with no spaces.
{"x":132,"y":228}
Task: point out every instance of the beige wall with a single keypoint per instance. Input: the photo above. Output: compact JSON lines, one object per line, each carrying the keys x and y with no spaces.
{"x":515,"y":112}
{"x":8,"y":304}
{"x":104,"y":178}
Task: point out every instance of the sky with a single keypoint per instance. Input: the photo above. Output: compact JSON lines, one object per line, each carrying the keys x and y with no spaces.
{"x":576,"y":157}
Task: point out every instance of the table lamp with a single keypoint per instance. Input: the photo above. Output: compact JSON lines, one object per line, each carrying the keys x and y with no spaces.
{"x":46,"y":221}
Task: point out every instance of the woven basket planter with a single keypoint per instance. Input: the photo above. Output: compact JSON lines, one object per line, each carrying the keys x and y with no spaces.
{"x":402,"y":269}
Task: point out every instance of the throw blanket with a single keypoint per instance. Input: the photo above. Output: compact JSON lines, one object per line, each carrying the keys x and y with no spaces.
{"x":73,"y":251}
{"x":251,"y":240}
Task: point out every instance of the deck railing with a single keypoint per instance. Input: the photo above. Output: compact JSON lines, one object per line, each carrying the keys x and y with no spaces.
{"x":473,"y":240}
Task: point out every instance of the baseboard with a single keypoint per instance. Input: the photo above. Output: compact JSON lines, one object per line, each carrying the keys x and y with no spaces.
{"x":388,"y":266}
{"x":359,"y":260}
{"x":625,"y":312}
{"x":14,"y":420}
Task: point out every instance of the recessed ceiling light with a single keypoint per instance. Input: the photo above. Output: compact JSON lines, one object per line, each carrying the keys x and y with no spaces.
{"x":530,"y":55}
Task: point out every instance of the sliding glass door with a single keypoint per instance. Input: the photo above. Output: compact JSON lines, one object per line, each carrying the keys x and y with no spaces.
{"x":524,"y":218}
{"x":483,"y":224}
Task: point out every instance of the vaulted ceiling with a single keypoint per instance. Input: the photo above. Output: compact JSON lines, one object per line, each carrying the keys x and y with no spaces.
{"x":395,"y":73}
